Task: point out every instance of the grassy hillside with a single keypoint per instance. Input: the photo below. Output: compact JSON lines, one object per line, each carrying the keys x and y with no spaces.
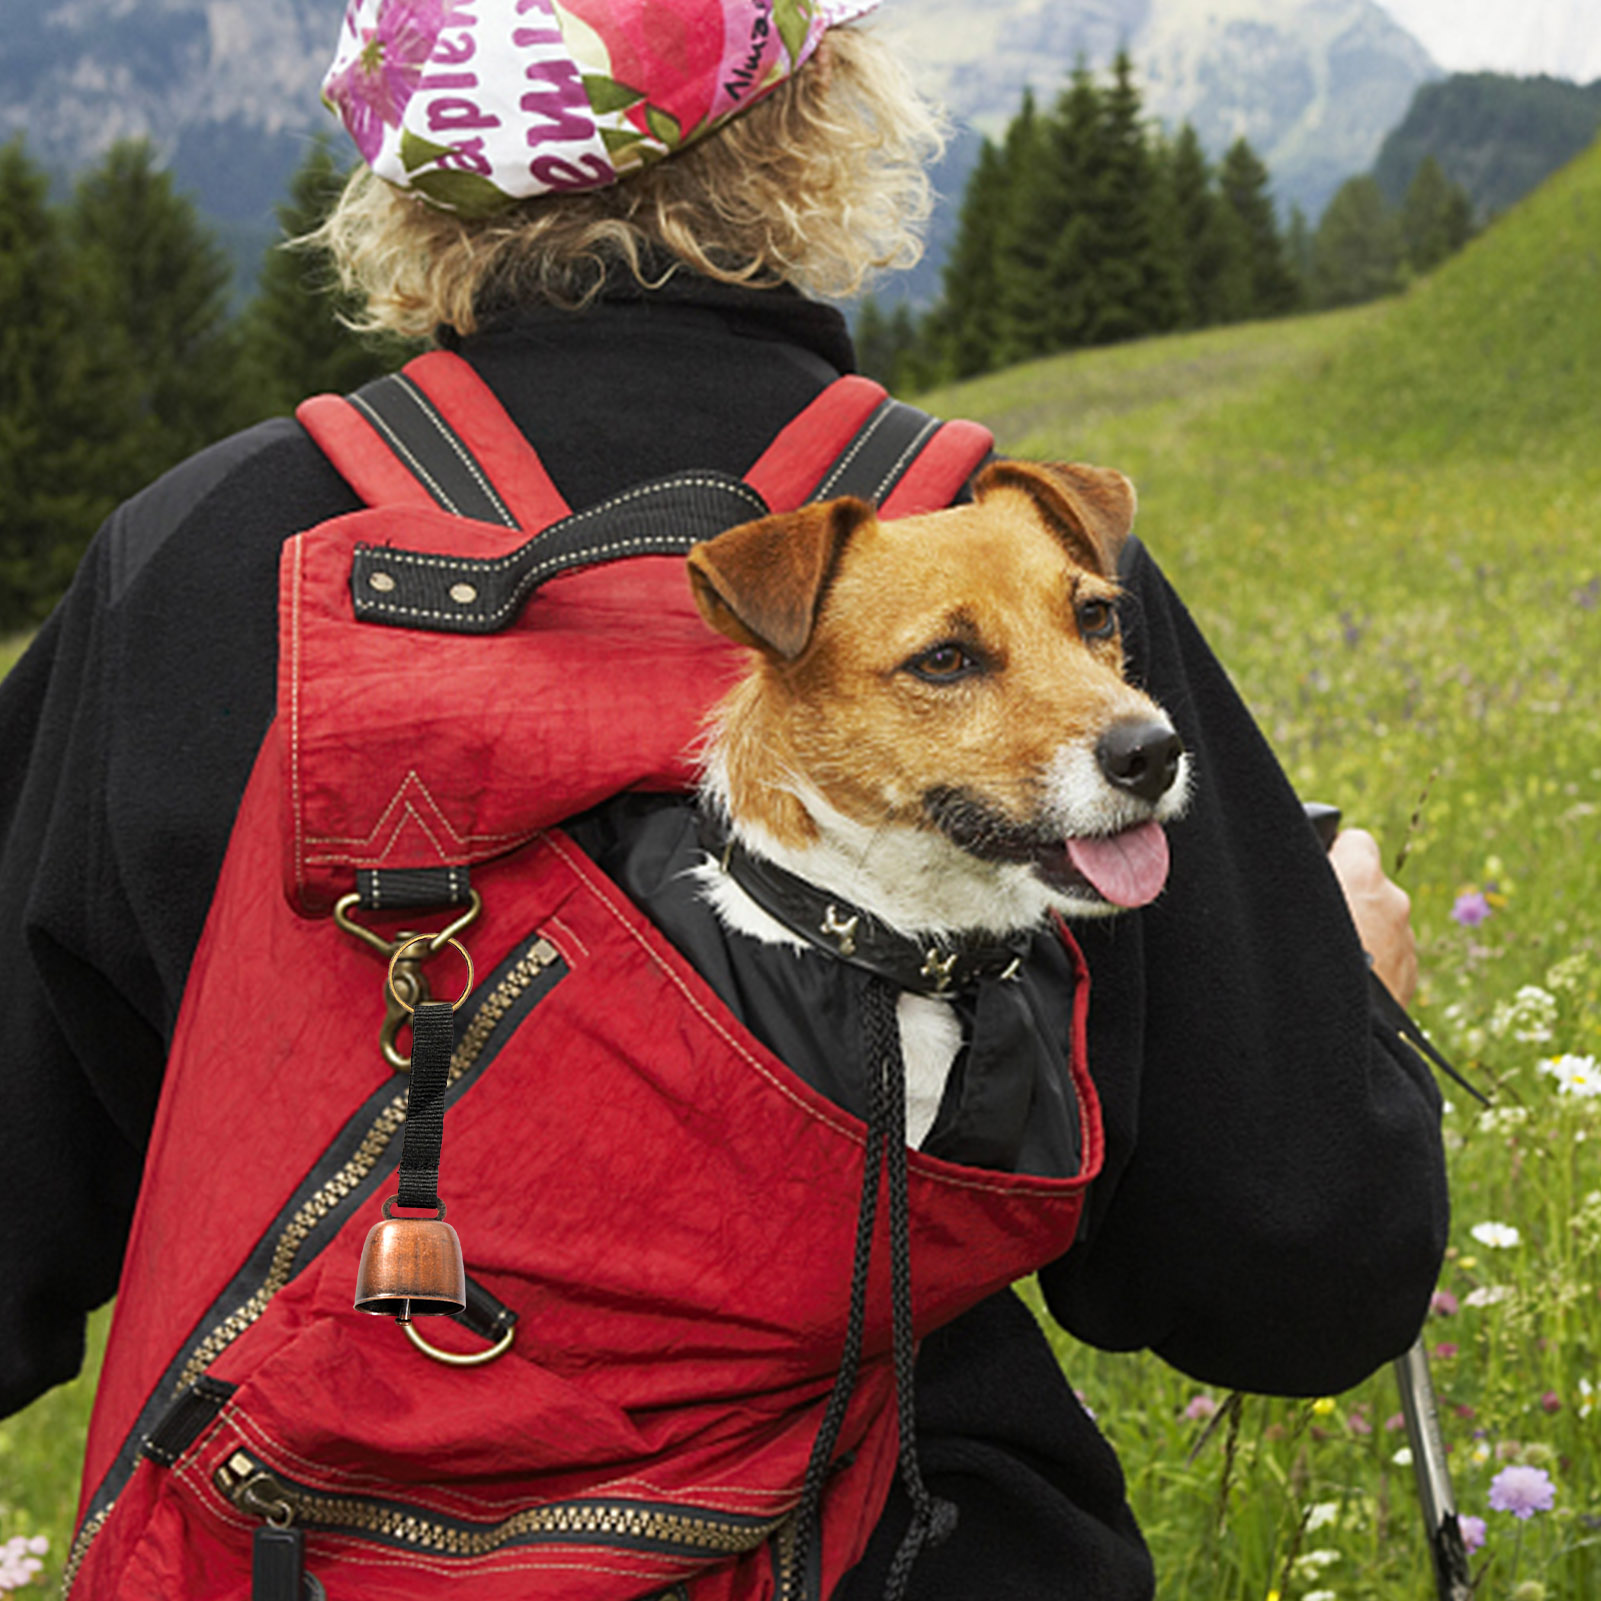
{"x":1389,"y":522}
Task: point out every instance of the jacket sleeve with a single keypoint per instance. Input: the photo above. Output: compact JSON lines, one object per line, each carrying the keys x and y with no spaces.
{"x":1273,"y":1210}
{"x":79,"y":1064}
{"x":129,"y":729}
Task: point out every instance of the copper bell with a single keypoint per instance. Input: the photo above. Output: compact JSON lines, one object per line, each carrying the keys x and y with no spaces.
{"x":411,"y":1267}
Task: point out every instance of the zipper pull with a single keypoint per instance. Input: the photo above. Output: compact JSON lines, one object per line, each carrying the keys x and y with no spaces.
{"x":277,"y":1563}
{"x":277,"y":1549}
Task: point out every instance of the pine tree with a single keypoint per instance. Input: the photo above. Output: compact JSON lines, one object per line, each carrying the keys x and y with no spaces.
{"x":1244,"y":185}
{"x":1195,"y":207}
{"x":167,"y":283}
{"x":68,"y":420}
{"x":1139,"y":289}
{"x":1298,"y":249}
{"x":964,"y":331}
{"x":1076,"y":281}
{"x":1436,"y":217}
{"x":1170,"y":256}
{"x":1357,"y":249}
{"x":295,"y":343}
{"x":1027,"y":237}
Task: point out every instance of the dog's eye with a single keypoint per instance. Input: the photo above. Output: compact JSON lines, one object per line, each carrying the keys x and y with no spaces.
{"x":944,"y":664}
{"x":1097,"y":619}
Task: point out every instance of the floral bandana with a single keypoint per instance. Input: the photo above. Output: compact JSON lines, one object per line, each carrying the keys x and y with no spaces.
{"x":475,"y":104}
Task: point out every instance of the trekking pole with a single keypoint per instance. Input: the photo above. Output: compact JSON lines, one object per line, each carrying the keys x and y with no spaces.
{"x":1419,"y":1408}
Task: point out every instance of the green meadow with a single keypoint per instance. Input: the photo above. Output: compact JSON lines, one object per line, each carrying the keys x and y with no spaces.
{"x":1389,"y":523}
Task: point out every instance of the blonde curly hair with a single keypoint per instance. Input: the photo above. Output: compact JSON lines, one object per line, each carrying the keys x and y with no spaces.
{"x":819,"y":185}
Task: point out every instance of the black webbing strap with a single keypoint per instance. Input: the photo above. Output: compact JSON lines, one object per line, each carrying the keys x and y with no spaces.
{"x":429,"y":448}
{"x":433,"y":1037}
{"x":481,"y":595}
{"x":190,"y":1414}
{"x":403,"y":889}
{"x":880,"y":454}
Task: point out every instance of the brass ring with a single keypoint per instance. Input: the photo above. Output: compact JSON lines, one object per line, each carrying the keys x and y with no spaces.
{"x":455,"y":1360}
{"x":428,"y":940}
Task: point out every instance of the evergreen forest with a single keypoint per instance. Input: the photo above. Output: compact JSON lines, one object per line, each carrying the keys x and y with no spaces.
{"x":1088,"y":224}
{"x":121,"y":351}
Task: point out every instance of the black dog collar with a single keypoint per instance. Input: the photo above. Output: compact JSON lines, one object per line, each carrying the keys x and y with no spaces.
{"x":930,"y":966}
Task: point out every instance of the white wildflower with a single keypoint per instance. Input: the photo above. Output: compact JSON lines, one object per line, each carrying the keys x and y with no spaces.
{"x":1487,"y":1295}
{"x":1316,"y":1561}
{"x":1320,"y":1595}
{"x":1529,"y":1016}
{"x":1498,"y":1236}
{"x":1321,"y":1515}
{"x":1587,"y":1398}
{"x":1403,"y":1457}
{"x":1502,"y":1119}
{"x":1575,"y":1075}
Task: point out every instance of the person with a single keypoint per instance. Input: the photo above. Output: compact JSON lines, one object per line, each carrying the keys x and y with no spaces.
{"x":627,"y":216}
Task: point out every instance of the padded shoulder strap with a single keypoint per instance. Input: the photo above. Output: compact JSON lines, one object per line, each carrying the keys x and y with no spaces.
{"x":854,"y":440}
{"x":434,"y":434}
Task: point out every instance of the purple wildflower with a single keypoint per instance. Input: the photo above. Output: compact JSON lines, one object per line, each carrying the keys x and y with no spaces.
{"x":1473,"y":1532}
{"x":1551,"y":1401}
{"x":1471,"y":908}
{"x":1201,"y":1407}
{"x":1444,"y":1304}
{"x":373,"y":91}
{"x":1522,"y":1491}
{"x":1445,"y":1350}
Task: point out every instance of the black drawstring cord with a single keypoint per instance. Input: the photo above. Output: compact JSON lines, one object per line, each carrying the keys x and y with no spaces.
{"x":850,"y":1358}
{"x":933,"y":1519}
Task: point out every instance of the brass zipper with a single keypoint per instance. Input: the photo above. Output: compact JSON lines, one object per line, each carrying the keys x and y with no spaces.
{"x":359,"y":1168}
{"x":80,"y":1546}
{"x":263,"y":1493}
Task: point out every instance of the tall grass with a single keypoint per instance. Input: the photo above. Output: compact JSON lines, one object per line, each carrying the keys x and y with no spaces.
{"x":1389,"y":523}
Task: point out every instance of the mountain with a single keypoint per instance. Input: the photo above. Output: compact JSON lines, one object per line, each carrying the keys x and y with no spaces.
{"x":227,"y":89}
{"x":1559,"y":37}
{"x":1496,"y":136}
{"x":1313,"y":84}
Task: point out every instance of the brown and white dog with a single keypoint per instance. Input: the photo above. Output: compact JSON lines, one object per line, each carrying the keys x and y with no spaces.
{"x":936,"y":727}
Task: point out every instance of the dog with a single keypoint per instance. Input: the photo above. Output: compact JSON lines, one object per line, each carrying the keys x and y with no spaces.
{"x":936,"y":727}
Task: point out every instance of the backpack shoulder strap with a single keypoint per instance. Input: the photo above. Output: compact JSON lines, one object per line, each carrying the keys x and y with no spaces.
{"x":854,"y":440}
{"x":434,"y":434}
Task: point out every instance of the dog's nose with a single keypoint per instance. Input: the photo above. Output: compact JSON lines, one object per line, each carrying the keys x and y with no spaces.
{"x":1142,"y":758}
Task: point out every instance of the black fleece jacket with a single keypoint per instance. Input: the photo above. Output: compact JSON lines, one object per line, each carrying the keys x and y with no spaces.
{"x":1273,"y":1206}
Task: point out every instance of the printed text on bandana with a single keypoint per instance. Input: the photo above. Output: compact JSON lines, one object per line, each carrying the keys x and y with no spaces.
{"x":747,"y":72}
{"x":555,"y":107}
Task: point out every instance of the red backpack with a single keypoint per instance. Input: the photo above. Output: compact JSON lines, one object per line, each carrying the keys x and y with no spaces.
{"x":658,"y":1217}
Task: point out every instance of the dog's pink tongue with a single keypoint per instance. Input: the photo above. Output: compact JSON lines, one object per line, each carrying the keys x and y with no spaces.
{"x":1129,"y":869}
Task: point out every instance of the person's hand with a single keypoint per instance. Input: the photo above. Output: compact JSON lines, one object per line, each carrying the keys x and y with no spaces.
{"x":1381,"y":910}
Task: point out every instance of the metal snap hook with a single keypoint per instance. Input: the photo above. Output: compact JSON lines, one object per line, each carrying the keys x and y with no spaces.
{"x":435,"y":943}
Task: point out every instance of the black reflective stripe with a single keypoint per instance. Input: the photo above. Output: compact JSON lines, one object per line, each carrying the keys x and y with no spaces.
{"x":186,"y":1419}
{"x":481,"y":595}
{"x":401,"y":889}
{"x":880,"y":454}
{"x":430,"y":449}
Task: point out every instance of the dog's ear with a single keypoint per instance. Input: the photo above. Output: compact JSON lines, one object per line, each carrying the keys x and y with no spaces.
{"x":1091,"y":509}
{"x":761,"y":584}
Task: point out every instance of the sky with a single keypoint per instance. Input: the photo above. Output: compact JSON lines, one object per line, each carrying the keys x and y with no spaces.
{"x":1562,"y":37}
